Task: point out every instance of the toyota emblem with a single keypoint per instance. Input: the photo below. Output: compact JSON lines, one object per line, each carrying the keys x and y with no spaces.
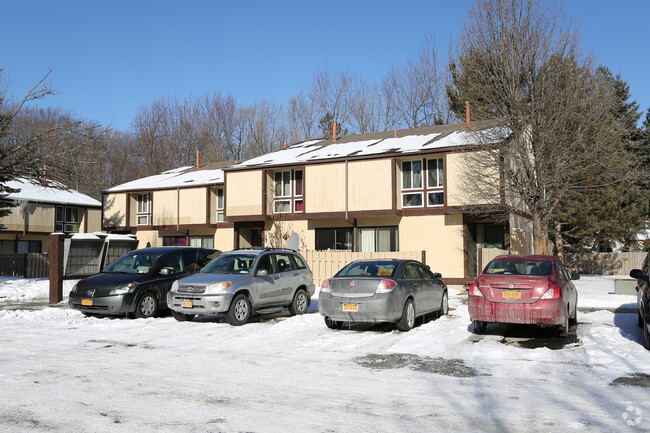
{"x":91,"y":292}
{"x":352,"y":283}
{"x":189,"y":288}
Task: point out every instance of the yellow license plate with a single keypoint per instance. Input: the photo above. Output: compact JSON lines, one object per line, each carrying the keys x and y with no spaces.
{"x":350,"y":307}
{"x":88,"y":302}
{"x":511,"y":294}
{"x":186,"y":304}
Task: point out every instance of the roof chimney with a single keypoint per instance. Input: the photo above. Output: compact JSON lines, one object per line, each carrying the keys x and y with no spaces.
{"x":467,"y":113}
{"x":334,"y":131}
{"x":395,"y":132}
{"x":285,"y":143}
{"x":197,"y":158}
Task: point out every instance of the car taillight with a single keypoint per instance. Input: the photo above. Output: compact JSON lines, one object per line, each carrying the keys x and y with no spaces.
{"x":385,"y":286}
{"x":552,"y":293}
{"x":474,"y":290}
{"x":325,"y":286}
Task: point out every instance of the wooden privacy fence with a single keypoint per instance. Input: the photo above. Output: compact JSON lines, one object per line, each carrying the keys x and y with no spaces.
{"x":324,"y":264}
{"x":29,"y":265}
{"x":586,"y":263}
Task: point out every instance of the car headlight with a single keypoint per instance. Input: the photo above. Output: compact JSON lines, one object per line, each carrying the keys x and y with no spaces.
{"x":218,"y":287}
{"x":174,"y":286}
{"x":74,"y":288}
{"x":124,"y":288}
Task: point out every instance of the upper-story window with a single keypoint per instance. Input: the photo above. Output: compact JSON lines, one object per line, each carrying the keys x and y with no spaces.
{"x":220,"y":205}
{"x":144,"y":209}
{"x":67,"y":219}
{"x":288,"y":191}
{"x":415,"y":193}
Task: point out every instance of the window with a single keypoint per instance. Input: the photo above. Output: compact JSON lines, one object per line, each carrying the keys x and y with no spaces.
{"x":414,"y":192}
{"x":29,"y":247}
{"x":144,"y":209}
{"x":174,"y":241}
{"x":334,"y":239}
{"x":67,"y":219}
{"x":288,"y":191}
{"x":220,"y":204}
{"x":202,"y":241}
{"x":378,"y":239}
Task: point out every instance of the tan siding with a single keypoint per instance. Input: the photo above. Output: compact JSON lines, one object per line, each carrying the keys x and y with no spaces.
{"x":94,"y":221}
{"x":459,"y":192}
{"x":115,"y":210}
{"x":370,"y":185}
{"x":164,"y":210}
{"x":39,"y":218}
{"x":325,"y":188}
{"x":244,"y":193}
{"x":442,"y":238}
{"x":193,"y":206}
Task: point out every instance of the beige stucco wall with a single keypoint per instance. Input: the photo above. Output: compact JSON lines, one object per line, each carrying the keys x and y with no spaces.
{"x":325,"y":188}
{"x":150,"y":236}
{"x":224,"y":238}
{"x":114,"y":210}
{"x":193,"y":203}
{"x":183,"y":206}
{"x":307,"y":236}
{"x":369,"y":185}
{"x":164,"y":210}
{"x":442,"y":238}
{"x":244,"y":193}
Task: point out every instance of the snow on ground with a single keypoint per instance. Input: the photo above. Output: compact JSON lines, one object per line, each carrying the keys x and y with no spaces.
{"x":61,"y":371}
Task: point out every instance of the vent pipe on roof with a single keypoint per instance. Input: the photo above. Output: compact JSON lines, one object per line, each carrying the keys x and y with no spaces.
{"x":467,"y":113}
{"x":44,"y":174}
{"x":285,"y":143}
{"x":395,"y":132}
{"x":334,"y":131}
{"x":197,"y":158}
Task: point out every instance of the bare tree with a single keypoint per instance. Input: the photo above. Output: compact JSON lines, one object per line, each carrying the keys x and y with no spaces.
{"x":519,"y":64}
{"x":265,"y":131}
{"x":415,"y":95}
{"x":301,"y":118}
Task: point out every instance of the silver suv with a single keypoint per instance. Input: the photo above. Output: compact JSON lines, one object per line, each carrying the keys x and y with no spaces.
{"x":239,"y":282}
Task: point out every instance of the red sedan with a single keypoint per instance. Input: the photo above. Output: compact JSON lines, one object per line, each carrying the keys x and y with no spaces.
{"x":524,"y":289}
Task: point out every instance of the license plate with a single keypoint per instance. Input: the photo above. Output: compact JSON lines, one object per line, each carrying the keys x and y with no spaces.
{"x":511,"y":294}
{"x":88,"y":302}
{"x":186,"y":304}
{"x":350,"y":307}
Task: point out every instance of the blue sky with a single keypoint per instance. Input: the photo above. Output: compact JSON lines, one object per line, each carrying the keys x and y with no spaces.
{"x":109,"y":58}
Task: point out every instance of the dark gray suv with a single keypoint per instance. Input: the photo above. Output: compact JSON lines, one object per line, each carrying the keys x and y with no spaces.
{"x":239,"y":282}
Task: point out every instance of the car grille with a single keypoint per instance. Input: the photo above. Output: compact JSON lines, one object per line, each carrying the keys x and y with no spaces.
{"x":191,"y":289}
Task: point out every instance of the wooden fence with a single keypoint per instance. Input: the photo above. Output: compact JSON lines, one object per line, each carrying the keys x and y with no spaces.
{"x":586,"y":263}
{"x":29,"y":265}
{"x":324,"y":264}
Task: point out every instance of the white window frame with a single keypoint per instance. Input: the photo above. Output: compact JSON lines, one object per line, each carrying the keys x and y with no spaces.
{"x":221,"y":215}
{"x":143,"y":212}
{"x":288,"y":197}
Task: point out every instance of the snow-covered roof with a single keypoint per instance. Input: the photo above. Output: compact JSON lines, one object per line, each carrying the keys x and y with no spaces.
{"x":407,"y":141}
{"x":53,"y":192}
{"x":181,"y":177}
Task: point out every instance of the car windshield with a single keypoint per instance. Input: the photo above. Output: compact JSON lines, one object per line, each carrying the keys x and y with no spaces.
{"x":231,"y":264}
{"x":519,"y":267}
{"x":368,"y":269}
{"x":135,"y":262}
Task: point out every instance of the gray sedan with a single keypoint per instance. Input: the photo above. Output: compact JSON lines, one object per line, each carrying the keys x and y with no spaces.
{"x":385,"y":290}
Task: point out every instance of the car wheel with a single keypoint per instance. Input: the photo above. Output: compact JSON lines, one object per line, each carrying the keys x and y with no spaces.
{"x":147,"y":306}
{"x":563,"y":330}
{"x":444,"y":305}
{"x":640,"y":320}
{"x":182,"y":317}
{"x":333,"y":324}
{"x":240,"y":311}
{"x":479,"y":326}
{"x":407,"y":321}
{"x":300,"y":303}
{"x":574,"y":320}
{"x":646,"y":336}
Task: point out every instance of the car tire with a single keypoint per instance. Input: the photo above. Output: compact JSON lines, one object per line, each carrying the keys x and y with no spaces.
{"x":182,"y":317}
{"x":574,"y":320}
{"x":407,"y":321}
{"x":239,"y":312}
{"x":563,"y":330}
{"x":640,"y":319}
{"x":333,"y":324}
{"x":147,"y":306}
{"x":646,"y":336}
{"x":444,"y":305}
{"x":479,"y":326}
{"x":300,"y":303}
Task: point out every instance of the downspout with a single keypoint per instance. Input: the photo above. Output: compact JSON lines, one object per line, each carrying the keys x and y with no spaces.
{"x":346,"y":190}
{"x":178,"y":210}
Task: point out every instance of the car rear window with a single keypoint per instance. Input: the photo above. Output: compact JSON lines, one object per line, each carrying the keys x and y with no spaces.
{"x":368,"y":269}
{"x":519,"y":267}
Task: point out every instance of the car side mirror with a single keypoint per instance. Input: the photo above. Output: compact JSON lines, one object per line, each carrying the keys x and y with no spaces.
{"x":165,"y":272}
{"x":437,"y":275}
{"x":262,"y":272}
{"x":575,"y":276}
{"x":638,"y":274}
